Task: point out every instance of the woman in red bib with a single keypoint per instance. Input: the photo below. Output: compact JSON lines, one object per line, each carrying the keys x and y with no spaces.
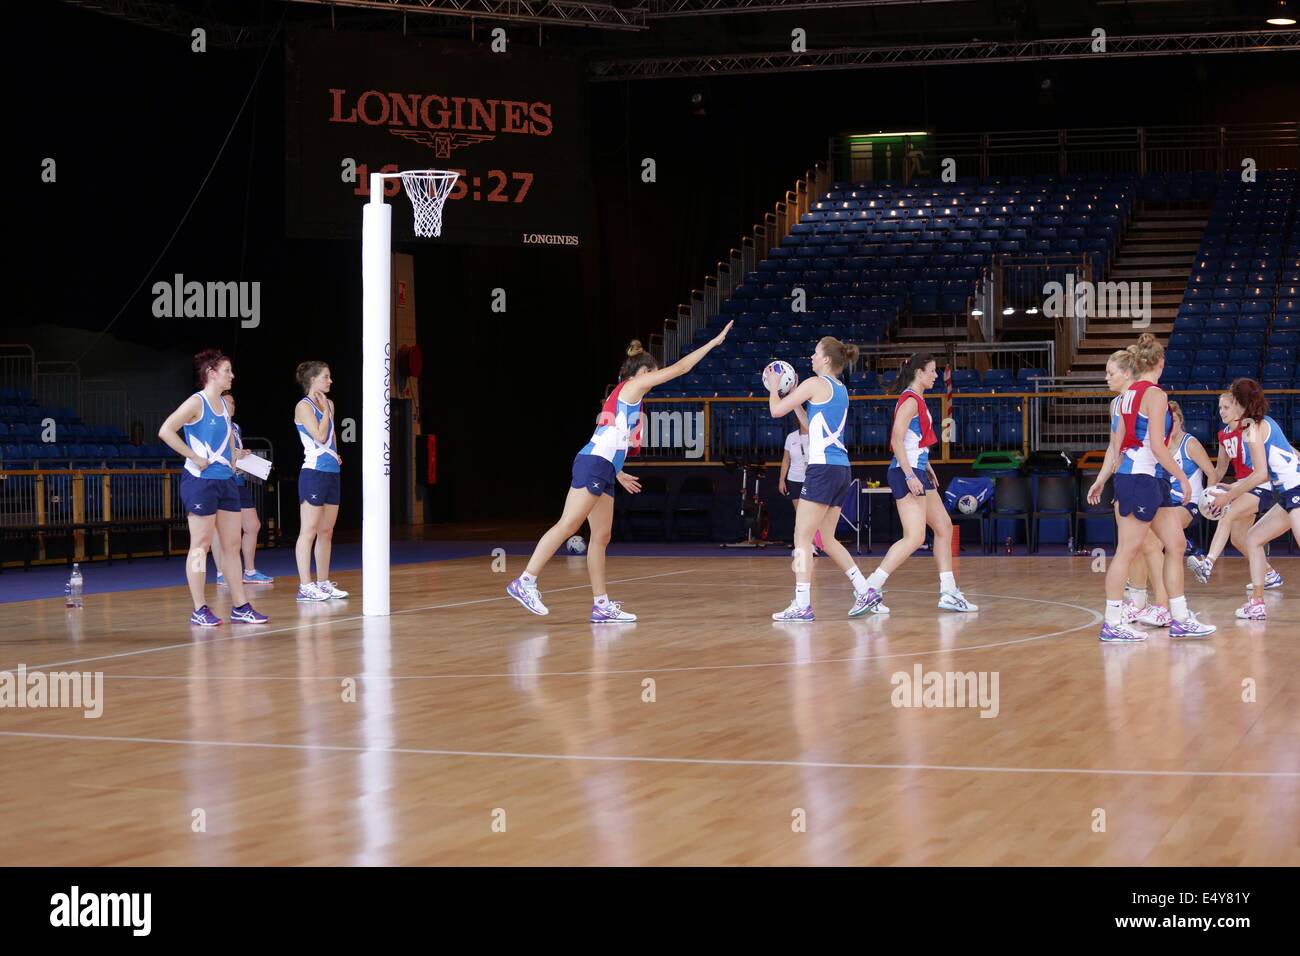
{"x":916,"y":489}
{"x":1146,"y":465}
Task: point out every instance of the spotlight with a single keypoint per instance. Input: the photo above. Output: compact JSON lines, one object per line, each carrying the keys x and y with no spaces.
{"x":1281,"y":16}
{"x":977,"y":311}
{"x":1009,"y":310}
{"x":1032,"y":310}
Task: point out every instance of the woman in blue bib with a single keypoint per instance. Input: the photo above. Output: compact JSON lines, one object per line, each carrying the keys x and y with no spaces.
{"x":823,"y":402}
{"x":318,"y":483}
{"x":208,"y":490}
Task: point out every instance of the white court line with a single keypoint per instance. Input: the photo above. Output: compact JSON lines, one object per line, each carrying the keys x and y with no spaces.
{"x":257,"y":631}
{"x":1096,"y":619}
{"x":701,"y":761}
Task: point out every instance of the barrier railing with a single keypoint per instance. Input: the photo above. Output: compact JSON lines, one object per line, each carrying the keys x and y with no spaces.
{"x":17,"y":367}
{"x":1119,"y":149}
{"x":52,"y":515}
{"x":714,"y":431}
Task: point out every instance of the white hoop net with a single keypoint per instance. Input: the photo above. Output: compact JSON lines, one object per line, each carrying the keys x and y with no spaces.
{"x":428,"y":190}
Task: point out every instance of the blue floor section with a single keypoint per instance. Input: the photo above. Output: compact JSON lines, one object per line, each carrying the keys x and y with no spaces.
{"x":101,"y":577}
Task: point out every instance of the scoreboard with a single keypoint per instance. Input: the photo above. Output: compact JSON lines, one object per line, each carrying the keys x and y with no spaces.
{"x":513,"y":124}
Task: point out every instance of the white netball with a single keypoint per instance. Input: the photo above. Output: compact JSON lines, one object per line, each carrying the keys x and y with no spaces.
{"x":1206,"y":505}
{"x":781,"y":374}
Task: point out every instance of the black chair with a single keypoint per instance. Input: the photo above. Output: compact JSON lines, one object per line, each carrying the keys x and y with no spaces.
{"x":1103,"y":511}
{"x":647,"y":512}
{"x":1056,"y":499}
{"x":693,"y":511}
{"x":1012,"y":502}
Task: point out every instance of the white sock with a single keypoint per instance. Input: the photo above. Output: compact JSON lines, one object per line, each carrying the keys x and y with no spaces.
{"x":1178,"y":608}
{"x":1139,"y":598}
{"x":528,"y":579}
{"x":877,"y":579}
{"x":602,"y":600}
{"x":947,"y":583}
{"x":859,"y":582}
{"x":803,"y":595}
{"x":1113,"y":615}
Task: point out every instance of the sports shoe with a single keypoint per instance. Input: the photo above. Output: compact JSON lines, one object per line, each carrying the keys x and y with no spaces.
{"x":1252,"y":611}
{"x":611,"y":613}
{"x":868,"y":600}
{"x":331,"y":590}
{"x":257,"y":577}
{"x":247,"y":615}
{"x":1121,"y":634}
{"x":795,"y":613}
{"x":221,"y":580}
{"x":955,"y":601}
{"x":1272,"y":580}
{"x":309,"y":593}
{"x":1202,"y":567}
{"x":1153,"y":615}
{"x":1129,"y":612}
{"x":527,"y":595}
{"x":1190,"y":628}
{"x":204,"y":617}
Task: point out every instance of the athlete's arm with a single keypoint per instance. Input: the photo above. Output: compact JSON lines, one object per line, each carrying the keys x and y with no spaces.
{"x":1259,"y":476}
{"x":1109,"y":464}
{"x":802,"y":415}
{"x":1199,"y":455}
{"x":637,"y":386}
{"x":187,"y":413}
{"x":785,"y":467}
{"x":629,"y":482}
{"x":809,"y":390}
{"x":1221,"y":464}
{"x":319,"y":430}
{"x":1156,"y":405}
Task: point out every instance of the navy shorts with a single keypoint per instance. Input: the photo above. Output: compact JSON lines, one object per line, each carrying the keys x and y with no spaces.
{"x":1288,"y":498}
{"x":318,"y":488}
{"x":246,"y":496}
{"x":898,"y":481}
{"x":594,"y":473}
{"x":1265,"y":496}
{"x":207,"y":496}
{"x":826,"y":484}
{"x":794,"y":488}
{"x":1141,"y":496}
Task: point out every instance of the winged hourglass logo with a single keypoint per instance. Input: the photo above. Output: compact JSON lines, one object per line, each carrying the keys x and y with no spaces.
{"x":442,"y":143}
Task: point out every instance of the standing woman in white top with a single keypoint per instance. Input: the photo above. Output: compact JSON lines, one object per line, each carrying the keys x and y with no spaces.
{"x":794,"y":461}
{"x":318,"y":483}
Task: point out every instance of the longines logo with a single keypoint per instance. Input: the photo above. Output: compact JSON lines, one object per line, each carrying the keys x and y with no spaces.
{"x":443,"y":123}
{"x":540,"y":239}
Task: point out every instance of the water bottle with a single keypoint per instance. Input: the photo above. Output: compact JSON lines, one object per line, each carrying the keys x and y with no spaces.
{"x":1009,"y":546}
{"x":1069,"y":547}
{"x":74,"y":587}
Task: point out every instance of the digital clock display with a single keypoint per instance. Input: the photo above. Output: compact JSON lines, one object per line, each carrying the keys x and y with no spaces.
{"x":513,"y":125}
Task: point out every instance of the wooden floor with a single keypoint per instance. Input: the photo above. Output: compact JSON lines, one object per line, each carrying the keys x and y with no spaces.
{"x":483,"y":735}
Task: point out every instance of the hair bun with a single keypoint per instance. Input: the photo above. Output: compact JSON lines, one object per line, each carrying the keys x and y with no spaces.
{"x":634,"y":349}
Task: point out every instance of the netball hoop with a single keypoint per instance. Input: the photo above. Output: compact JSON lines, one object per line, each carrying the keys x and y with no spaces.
{"x":428,"y":189}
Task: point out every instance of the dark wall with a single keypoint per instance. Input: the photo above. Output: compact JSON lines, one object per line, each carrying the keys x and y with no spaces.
{"x":136,"y":124}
